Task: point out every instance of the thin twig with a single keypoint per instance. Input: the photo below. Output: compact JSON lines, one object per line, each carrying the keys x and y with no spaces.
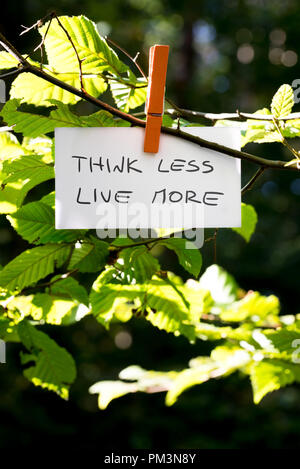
{"x":252,"y":181}
{"x":174,"y":106}
{"x":41,"y":44}
{"x":120,"y":79}
{"x":139,"y":243}
{"x":133,"y":59}
{"x":215,"y":245}
{"x":12,"y":72}
{"x":38,"y":23}
{"x":62,"y":277}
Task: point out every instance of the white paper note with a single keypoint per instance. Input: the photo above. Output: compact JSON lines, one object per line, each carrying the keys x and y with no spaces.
{"x":104,"y":180}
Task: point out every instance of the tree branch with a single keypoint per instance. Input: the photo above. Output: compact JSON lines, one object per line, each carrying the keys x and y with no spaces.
{"x":26,"y":66}
{"x":133,"y":59}
{"x":144,"y":242}
{"x":252,"y":181}
{"x":236,"y":116}
{"x":11,"y":73}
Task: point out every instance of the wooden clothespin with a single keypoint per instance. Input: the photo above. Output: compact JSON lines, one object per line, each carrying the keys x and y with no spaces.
{"x":158,"y":62}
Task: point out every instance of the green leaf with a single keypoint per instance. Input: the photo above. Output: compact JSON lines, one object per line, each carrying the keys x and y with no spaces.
{"x":188,"y":378}
{"x":92,"y":49}
{"x":139,"y":263}
{"x":35,"y":222}
{"x":220,"y":284}
{"x":7,"y":61}
{"x":35,"y":90}
{"x":249,"y":220}
{"x":211,"y":332}
{"x":253,"y":306}
{"x":69,"y":287}
{"x":103,"y":119}
{"x":32,"y":265}
{"x":64,"y":117}
{"x":291,"y":128}
{"x":4,"y":324}
{"x":285,"y":342}
{"x":144,"y":380}
{"x":255,"y":130}
{"x":168,"y":120}
{"x":269,"y":375}
{"x":34,"y":125}
{"x":167,"y":309}
{"x":283,"y":101}
{"x":129,"y":95}
{"x":136,"y":262}
{"x":23,"y":167}
{"x":41,"y":307}
{"x":40,"y":145}
{"x":65,"y":302}
{"x":58,"y":309}
{"x":161,"y":304}
{"x":8,"y":331}
{"x":110,"y":390}
{"x":54,"y":367}
{"x":18,"y":307}
{"x":89,"y":256}
{"x":224,"y":360}
{"x":188,"y":255}
{"x":106,"y":297}
{"x":259,"y":131}
{"x":265,"y":135}
{"x":22,"y":174}
{"x":10,"y":146}
{"x":49,"y":199}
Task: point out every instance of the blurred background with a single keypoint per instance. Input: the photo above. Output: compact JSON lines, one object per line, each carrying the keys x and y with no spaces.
{"x":225,"y":55}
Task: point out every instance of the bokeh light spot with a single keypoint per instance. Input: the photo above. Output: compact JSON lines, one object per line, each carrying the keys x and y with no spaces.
{"x":204,"y":33}
{"x":123,"y":340}
{"x":289,"y":58}
{"x":275,"y":55}
{"x":245,"y":53}
{"x":269,"y":188}
{"x":295,"y":186}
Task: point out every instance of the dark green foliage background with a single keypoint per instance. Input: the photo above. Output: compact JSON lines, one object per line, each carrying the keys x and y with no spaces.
{"x":217,"y":414}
